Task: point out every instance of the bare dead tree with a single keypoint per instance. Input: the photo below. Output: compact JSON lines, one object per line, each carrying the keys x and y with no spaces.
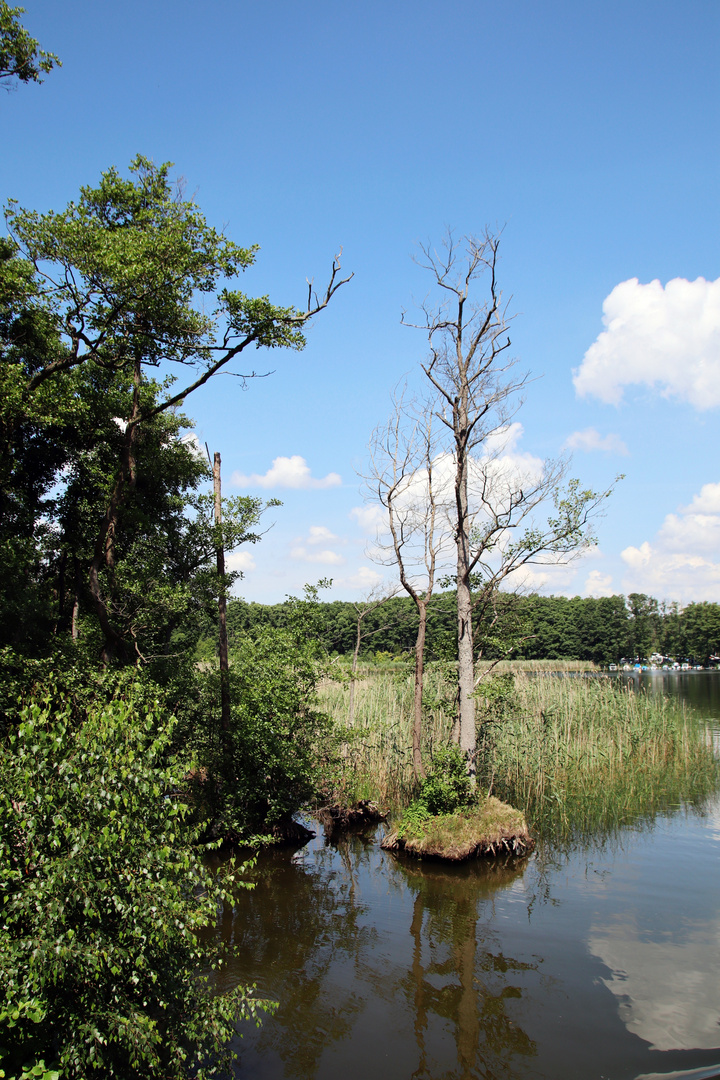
{"x":495,"y":504}
{"x":402,"y":480}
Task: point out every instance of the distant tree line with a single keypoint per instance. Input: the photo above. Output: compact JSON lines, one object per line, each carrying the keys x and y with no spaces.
{"x":604,"y":630}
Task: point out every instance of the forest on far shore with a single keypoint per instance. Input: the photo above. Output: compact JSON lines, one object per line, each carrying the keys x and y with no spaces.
{"x":603,"y":630}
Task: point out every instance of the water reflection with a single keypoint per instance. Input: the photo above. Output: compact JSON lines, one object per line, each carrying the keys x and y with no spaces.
{"x":667,"y":988}
{"x":460,"y":973}
{"x":599,"y":959}
{"x":289,"y":935}
{"x":351,"y":941}
{"x":700,"y":689}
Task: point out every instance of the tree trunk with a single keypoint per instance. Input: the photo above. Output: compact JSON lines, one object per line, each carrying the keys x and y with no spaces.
{"x":418,"y":770}
{"x":466,"y":674}
{"x":74,"y":628}
{"x":222,"y":612}
{"x":104,"y":554}
{"x":466,"y":665}
{"x":60,"y":621}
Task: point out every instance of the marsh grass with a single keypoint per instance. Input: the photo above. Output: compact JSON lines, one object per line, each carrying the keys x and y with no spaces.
{"x":503,"y":667}
{"x":576,"y":755}
{"x":580,"y":755}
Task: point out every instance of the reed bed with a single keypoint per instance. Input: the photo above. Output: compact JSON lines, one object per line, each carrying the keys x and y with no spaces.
{"x":575,"y":754}
{"x":582,"y":755}
{"x":502,"y":667}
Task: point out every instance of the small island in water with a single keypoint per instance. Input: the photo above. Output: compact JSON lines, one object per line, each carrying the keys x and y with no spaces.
{"x":490,"y":828}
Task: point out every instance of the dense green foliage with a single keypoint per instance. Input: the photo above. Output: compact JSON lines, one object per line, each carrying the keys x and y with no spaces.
{"x":446,"y":788}
{"x":115,"y":762}
{"x":602,"y":630}
{"x":100,"y":517}
{"x":103,"y":892}
{"x":274,"y":756}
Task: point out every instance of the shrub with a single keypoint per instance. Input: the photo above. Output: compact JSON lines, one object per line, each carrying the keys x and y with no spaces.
{"x":447,"y":787}
{"x":102,"y":895}
{"x":270,"y":762}
{"x":445,"y":790}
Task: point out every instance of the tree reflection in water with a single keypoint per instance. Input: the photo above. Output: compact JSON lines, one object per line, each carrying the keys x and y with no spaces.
{"x":286,"y":935}
{"x":325,"y":933}
{"x":459,"y":974}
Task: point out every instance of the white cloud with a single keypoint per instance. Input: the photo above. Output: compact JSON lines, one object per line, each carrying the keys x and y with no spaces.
{"x":193,"y":445}
{"x":708,"y":501}
{"x":495,"y":477}
{"x":667,"y":338}
{"x":680,"y":563}
{"x":287,"y":472}
{"x":325,"y":556}
{"x":590,"y":439}
{"x":557,"y":579}
{"x":239,"y":560}
{"x":598,"y":584}
{"x":319,"y":534}
{"x":365,"y":578}
{"x":306,"y":549}
{"x":370,"y":518}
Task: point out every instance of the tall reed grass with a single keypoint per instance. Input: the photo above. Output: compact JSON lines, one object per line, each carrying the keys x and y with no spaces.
{"x":576,"y":754}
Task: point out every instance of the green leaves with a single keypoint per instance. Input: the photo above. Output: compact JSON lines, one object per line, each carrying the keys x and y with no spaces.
{"x":102,"y":898}
{"x":20,"y":55}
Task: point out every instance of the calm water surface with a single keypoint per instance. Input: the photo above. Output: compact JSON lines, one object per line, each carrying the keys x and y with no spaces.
{"x":598,"y":962}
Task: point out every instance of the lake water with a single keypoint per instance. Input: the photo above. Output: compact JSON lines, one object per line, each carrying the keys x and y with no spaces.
{"x":599,"y":962}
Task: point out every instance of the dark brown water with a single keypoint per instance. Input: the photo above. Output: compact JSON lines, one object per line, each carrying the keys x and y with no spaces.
{"x":603,"y":962}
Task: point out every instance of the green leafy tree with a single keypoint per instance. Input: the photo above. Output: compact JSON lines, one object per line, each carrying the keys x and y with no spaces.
{"x":644,"y":636}
{"x":701,"y":631}
{"x":131,"y":289}
{"x":20,"y":54}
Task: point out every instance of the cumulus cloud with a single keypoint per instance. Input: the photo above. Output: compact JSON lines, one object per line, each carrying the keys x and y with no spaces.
{"x":598,"y":584}
{"x":325,"y":556}
{"x":680,"y":563}
{"x":589,"y":439}
{"x":239,"y":560}
{"x":707,"y":501}
{"x":370,"y":518}
{"x":364,"y":578}
{"x":319,"y":534}
{"x":668,"y":338}
{"x":308,"y":549}
{"x":556,"y":579}
{"x":287,"y":472}
{"x":495,"y":477}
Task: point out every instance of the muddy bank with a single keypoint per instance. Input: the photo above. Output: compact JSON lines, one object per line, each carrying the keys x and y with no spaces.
{"x":336,"y":819}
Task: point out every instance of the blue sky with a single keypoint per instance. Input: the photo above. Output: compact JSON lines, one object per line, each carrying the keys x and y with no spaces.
{"x":588,"y":132}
